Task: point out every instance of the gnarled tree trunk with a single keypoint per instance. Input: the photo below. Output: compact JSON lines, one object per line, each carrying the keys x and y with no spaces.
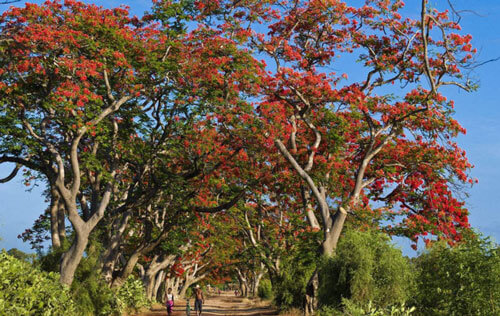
{"x":160,"y":277}
{"x":257,"y":276}
{"x":243,"y":281}
{"x":73,"y":256}
{"x":154,"y":270}
{"x":110,"y":256}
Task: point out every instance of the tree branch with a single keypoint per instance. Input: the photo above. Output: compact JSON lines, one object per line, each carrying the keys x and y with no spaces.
{"x":11,"y":175}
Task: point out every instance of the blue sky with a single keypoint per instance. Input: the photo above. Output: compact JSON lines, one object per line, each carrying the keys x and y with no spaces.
{"x":478,"y":112}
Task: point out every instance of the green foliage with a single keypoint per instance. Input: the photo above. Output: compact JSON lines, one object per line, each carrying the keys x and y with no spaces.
{"x":91,"y":293}
{"x":291,"y":284}
{"x":20,"y":255}
{"x":174,"y":14}
{"x":464,"y":280}
{"x":50,"y":261}
{"x":25,"y":290}
{"x":366,"y":268}
{"x":131,"y":295}
{"x":189,"y":292}
{"x":93,"y":296}
{"x":350,"y":308}
{"x":265,"y":290}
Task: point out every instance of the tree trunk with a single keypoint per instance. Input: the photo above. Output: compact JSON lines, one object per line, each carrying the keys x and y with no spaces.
{"x":126,"y":271}
{"x":189,"y":282}
{"x":175,"y":287}
{"x":54,"y":219}
{"x":174,"y":283}
{"x":72,"y":257}
{"x":192,"y":278}
{"x":61,"y":226}
{"x":110,"y":256}
{"x":257,"y":276}
{"x":311,"y":299}
{"x":185,"y":285}
{"x":331,"y":238}
{"x":143,"y":249}
{"x":242,"y":279}
{"x":150,"y":278}
{"x":332,"y":233}
{"x":158,"y":282}
{"x":149,"y":284}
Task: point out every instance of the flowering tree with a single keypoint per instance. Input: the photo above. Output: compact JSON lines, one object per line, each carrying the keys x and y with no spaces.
{"x":131,"y":120}
{"x":119,"y":115}
{"x":70,"y":74}
{"x":380,"y":142}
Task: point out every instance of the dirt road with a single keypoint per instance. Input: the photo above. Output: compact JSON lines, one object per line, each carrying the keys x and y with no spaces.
{"x":223,"y":305}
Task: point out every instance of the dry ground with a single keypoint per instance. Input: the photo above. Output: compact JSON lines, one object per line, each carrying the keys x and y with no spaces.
{"x":223,"y":305}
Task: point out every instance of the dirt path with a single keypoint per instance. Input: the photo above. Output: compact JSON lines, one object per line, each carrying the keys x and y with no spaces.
{"x":223,"y":305}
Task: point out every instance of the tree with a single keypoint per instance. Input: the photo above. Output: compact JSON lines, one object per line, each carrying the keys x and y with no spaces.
{"x":135,"y":126}
{"x":358,"y":142}
{"x":69,"y":74}
{"x":120,"y":117}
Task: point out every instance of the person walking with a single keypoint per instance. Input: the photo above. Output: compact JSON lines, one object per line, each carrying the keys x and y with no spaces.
{"x":169,"y":301}
{"x":199,"y":299}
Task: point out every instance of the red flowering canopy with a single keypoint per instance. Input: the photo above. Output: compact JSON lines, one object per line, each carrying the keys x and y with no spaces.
{"x":376,"y":143}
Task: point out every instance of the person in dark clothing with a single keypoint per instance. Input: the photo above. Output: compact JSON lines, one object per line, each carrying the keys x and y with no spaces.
{"x":199,"y":299}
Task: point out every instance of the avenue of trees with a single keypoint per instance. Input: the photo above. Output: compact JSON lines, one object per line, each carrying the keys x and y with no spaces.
{"x":276,"y":144}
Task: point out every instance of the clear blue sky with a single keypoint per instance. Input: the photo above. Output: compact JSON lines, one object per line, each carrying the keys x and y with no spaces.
{"x":478,"y":112}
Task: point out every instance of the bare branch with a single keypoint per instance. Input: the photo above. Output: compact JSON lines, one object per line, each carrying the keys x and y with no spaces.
{"x":11,"y":175}
{"x":108,"y":86}
{"x":423,"y":29}
{"x":304,"y":175}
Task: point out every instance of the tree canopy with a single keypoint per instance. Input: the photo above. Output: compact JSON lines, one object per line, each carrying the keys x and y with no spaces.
{"x":209,"y":139}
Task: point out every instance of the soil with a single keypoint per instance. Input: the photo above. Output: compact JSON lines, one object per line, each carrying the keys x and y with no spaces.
{"x":223,"y":305}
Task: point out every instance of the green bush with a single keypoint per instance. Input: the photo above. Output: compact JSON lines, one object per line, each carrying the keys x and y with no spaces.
{"x":366,"y":268}
{"x":94,"y":297}
{"x":25,"y":290}
{"x":297,"y":265}
{"x":265,"y":290}
{"x":351,"y":308}
{"x":296,"y":271}
{"x":189,"y":292}
{"x":91,"y":293}
{"x":464,"y":280}
{"x":131,"y":296}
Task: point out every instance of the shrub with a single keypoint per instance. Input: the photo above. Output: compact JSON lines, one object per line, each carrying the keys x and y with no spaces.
{"x":131,"y":296}
{"x":350,"y":308}
{"x":464,"y":280}
{"x":189,"y":292}
{"x":366,"y":268}
{"x":94,"y":297}
{"x":296,"y":268}
{"x":25,"y":290}
{"x":265,"y":290}
{"x":91,"y":293}
{"x":294,"y":275}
